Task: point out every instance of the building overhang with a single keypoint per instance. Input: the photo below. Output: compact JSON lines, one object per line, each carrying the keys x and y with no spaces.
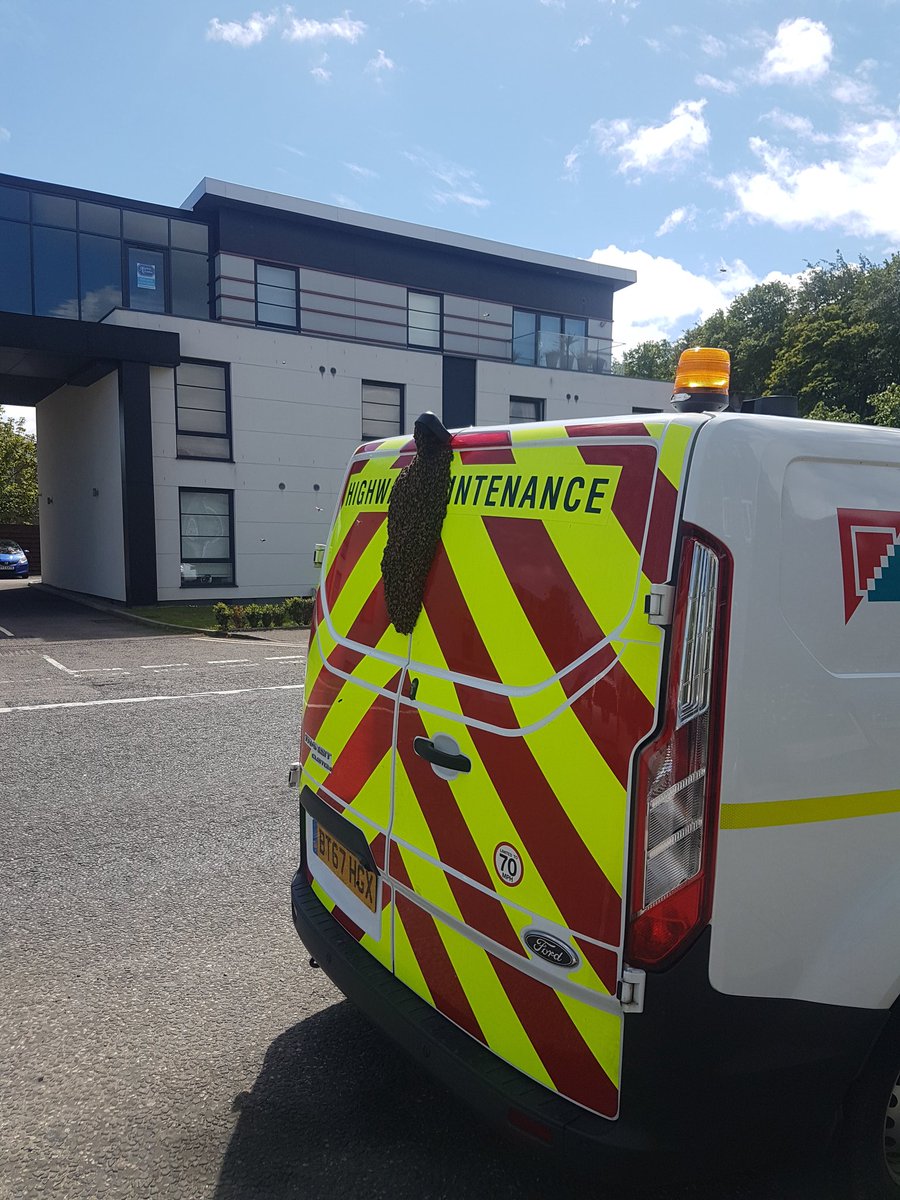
{"x":39,"y":355}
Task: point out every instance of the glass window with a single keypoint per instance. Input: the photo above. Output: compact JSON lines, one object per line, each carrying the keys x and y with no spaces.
{"x":52,"y":210}
{"x":13,"y":204}
{"x":524,"y":327}
{"x":15,"y":267}
{"x":202,"y":411}
{"x":145,"y":227}
{"x":207,"y":543}
{"x":101,"y":276}
{"x":382,"y":410}
{"x":146,"y":280}
{"x":190,"y":284}
{"x":424,"y":320}
{"x":276,"y":295}
{"x":55,"y":275}
{"x":99,"y":218}
{"x":189,"y":235}
{"x":522,"y":408}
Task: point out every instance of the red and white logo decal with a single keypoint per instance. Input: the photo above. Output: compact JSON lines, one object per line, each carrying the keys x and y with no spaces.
{"x":869,"y":555}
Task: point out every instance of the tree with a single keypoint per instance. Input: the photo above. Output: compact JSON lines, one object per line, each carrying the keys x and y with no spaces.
{"x":650,"y":360}
{"x":886,"y":406}
{"x":824,"y":357}
{"x":18,"y":473}
{"x":825,"y":412}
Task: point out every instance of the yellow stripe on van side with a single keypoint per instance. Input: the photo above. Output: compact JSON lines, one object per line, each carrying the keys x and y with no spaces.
{"x":768,"y":813}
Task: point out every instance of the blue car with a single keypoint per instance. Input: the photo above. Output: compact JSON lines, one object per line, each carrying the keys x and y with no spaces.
{"x":13,"y":560}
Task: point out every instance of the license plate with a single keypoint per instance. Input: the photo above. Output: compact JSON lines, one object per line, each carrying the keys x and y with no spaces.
{"x":344,"y":863}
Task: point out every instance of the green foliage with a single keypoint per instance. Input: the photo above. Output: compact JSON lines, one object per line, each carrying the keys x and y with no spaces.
{"x":18,"y":473}
{"x":650,"y":360}
{"x":299,"y":609}
{"x":265,"y":613}
{"x":222,"y":615}
{"x":254,"y":615}
{"x":278,"y":615}
{"x":825,"y":412}
{"x":239,"y":616}
{"x":885,"y":406}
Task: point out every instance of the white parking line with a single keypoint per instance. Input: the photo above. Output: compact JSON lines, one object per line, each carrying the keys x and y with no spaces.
{"x":221,"y":661}
{"x":58,"y":665}
{"x":8,"y":632}
{"x":99,"y":670}
{"x":280,"y":687}
{"x":162,"y":666}
{"x":283,"y":657}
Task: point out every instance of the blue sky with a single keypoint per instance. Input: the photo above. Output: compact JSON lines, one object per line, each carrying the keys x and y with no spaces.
{"x":709,"y":145}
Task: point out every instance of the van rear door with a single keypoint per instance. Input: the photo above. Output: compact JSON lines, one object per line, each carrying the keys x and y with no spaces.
{"x":354,"y":671}
{"x":534,"y":674}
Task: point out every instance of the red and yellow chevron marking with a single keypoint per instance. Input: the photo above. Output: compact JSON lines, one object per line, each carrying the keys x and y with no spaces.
{"x":534,"y":654}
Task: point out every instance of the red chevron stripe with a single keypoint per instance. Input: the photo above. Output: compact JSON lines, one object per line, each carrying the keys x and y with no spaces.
{"x":367,"y":745}
{"x":352,"y":928}
{"x":585,"y":896}
{"x":632,"y":429}
{"x":431,"y":954}
{"x":605,"y":963}
{"x":566,"y":1056}
{"x":615,"y":712}
{"x":659,"y":535}
{"x":454,"y":841}
{"x":632,"y":498}
{"x":365,"y":526}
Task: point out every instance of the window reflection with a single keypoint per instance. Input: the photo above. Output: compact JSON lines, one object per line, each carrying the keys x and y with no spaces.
{"x":55,"y":273}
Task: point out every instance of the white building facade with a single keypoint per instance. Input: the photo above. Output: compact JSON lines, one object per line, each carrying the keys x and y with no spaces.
{"x":201,"y":375}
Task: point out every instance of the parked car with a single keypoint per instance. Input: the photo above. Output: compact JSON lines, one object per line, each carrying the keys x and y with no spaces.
{"x":13,"y":560}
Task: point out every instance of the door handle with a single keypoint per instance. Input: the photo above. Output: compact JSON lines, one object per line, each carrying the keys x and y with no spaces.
{"x":441,"y":758}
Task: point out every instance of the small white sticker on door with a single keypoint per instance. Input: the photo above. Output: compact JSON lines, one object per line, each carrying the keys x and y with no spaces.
{"x":508,"y":864}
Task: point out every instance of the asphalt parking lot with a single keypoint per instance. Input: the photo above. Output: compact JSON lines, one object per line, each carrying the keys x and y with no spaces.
{"x":162,"y":1033}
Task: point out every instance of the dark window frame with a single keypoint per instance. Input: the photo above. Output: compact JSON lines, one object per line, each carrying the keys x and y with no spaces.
{"x":538,"y":313}
{"x":439,"y":296}
{"x":401,"y":388}
{"x":278,"y":266}
{"x":217,"y":437}
{"x":539,"y":401}
{"x":230,"y":560}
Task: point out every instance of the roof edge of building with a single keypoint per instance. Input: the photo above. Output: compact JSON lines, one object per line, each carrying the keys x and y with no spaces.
{"x":218,"y":189}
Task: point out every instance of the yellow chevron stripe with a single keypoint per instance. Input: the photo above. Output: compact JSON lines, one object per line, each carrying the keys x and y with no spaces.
{"x":673,"y":456}
{"x":542,"y":433}
{"x":601,"y":1030}
{"x":766,"y":814}
{"x":406,"y":965}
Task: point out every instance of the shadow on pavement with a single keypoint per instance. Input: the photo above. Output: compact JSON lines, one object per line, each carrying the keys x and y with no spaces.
{"x":337,"y":1112}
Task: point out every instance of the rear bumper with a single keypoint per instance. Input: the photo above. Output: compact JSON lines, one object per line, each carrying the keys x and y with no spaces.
{"x":701,"y":1071}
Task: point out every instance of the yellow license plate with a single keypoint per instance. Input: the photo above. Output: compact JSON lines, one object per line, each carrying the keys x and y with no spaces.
{"x":344,"y":863}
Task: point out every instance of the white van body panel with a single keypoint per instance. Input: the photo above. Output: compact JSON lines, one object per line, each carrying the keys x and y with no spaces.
{"x":805,"y":907}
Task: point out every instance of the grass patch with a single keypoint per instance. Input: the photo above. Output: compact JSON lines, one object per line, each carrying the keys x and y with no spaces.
{"x":189,"y":616}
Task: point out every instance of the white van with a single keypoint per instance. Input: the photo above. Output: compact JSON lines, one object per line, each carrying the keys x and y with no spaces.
{"x":606,"y":831}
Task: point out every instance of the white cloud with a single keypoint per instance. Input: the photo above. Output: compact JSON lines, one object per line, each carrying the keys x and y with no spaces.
{"x":582,"y":41}
{"x":321,"y":74}
{"x":346,"y":202}
{"x":712,"y":46}
{"x":800,"y":53}
{"x":678,"y":216}
{"x":853,"y":189}
{"x":572,"y":163}
{"x":847,"y":90}
{"x":668,"y":298}
{"x":362,"y":172}
{"x":306,"y":29}
{"x":293,"y":150}
{"x":655,"y":147}
{"x":552,"y":3}
{"x":5,"y":135}
{"x":29,"y":415}
{"x":379,"y":64}
{"x":241,"y":33}
{"x":725,"y":86}
{"x":454,"y":184}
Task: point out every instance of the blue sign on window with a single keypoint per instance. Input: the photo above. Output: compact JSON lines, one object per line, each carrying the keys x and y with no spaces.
{"x":146,"y":276}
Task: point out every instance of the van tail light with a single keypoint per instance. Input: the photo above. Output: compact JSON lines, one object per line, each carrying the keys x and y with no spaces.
{"x":677,"y":791}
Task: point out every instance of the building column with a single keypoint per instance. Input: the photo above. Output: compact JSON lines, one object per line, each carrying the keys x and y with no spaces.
{"x":138,"y":502}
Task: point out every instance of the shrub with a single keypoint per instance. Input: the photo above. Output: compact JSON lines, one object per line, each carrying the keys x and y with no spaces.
{"x":253,"y":615}
{"x":239,"y":616}
{"x":266,"y":615}
{"x":299,"y":609}
{"x":278,"y":615}
{"x":222,"y":614}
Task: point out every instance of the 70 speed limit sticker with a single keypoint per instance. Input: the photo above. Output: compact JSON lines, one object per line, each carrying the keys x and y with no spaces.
{"x":508,"y":864}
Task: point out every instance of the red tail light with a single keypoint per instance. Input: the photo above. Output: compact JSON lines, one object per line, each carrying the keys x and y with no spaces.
{"x":677,"y":793}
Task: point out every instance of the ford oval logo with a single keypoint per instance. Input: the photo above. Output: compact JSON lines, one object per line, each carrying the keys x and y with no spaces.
{"x":551,"y":949}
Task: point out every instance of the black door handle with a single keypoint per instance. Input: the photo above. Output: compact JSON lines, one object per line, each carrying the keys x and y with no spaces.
{"x":440,"y":758}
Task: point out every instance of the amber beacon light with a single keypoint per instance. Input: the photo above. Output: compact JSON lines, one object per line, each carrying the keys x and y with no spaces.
{"x":701,"y":380}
